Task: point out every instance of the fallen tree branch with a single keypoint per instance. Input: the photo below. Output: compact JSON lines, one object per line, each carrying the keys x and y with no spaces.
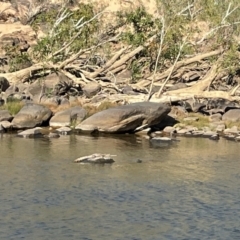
{"x":185,"y":96}
{"x":200,"y":86}
{"x":23,"y":74}
{"x":183,"y":63}
{"x":130,"y":55}
{"x":173,"y":67}
{"x":109,"y":63}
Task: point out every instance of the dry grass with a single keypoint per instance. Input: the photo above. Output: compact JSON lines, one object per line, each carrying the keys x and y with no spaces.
{"x":90,"y":108}
{"x":203,"y":121}
{"x":232,"y":124}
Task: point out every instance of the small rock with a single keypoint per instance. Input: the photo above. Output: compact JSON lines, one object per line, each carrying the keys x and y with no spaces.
{"x":230,"y":137}
{"x":214,"y":137}
{"x":161,"y":139}
{"x":215,"y":117}
{"x":209,"y":134}
{"x":6,"y":124}
{"x":64,"y":130}
{"x":220,"y":128}
{"x":192,"y":119}
{"x":96,"y":158}
{"x":91,"y":89}
{"x":232,"y":130}
{"x":197,"y":133}
{"x":237,"y":138}
{"x":169,"y":129}
{"x":53,"y":135}
{"x":182,"y":131}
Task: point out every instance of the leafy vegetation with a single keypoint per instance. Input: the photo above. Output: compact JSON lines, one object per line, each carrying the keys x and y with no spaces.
{"x":61,"y":28}
{"x":17,"y":60}
{"x":13,"y":107}
{"x":177,"y":29}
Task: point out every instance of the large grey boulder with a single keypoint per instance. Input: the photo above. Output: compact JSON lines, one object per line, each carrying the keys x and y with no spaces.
{"x":68,"y":117}
{"x":31,"y":115}
{"x":232,"y":115}
{"x":126,"y":118}
{"x":5,"y":115}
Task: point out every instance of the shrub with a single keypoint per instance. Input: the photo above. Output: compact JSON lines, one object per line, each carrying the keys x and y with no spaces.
{"x":13,"y":107}
{"x":61,"y":27}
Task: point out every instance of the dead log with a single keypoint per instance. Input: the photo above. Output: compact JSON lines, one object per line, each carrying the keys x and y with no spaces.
{"x":199,"y":90}
{"x":109,"y":63}
{"x":200,"y":86}
{"x":180,"y":64}
{"x":24,"y":74}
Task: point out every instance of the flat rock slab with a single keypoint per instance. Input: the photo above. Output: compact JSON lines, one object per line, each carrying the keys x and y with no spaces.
{"x":31,"y":133}
{"x":31,"y":115}
{"x":96,"y":158}
{"x":126,"y":118}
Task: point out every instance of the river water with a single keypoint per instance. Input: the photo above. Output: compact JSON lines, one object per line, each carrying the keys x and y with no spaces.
{"x":186,"y":190}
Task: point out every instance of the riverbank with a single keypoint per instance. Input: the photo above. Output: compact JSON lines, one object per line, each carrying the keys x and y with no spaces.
{"x":72,"y":70}
{"x":151,"y":120}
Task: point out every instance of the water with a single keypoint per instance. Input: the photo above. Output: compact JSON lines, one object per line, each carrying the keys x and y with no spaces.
{"x":188,"y":190}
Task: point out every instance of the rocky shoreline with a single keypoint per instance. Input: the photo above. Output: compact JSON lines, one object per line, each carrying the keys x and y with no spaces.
{"x":155,"y":121}
{"x":50,"y":87}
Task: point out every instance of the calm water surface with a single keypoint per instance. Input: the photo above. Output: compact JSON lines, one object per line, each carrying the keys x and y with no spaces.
{"x":188,"y":190}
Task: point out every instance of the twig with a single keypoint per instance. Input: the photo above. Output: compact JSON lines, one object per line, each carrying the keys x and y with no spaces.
{"x":222,"y":24}
{"x":172,"y":69}
{"x":62,"y":16}
{"x":162,"y":36}
{"x":77,"y":26}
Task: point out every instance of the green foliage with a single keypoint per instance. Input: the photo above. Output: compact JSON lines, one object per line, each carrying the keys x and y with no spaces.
{"x":231,"y":61}
{"x":136,"y":70}
{"x":16,"y":60}
{"x":12,"y":106}
{"x":65,"y":31}
{"x":203,"y":121}
{"x":141,"y":26}
{"x":45,"y":20}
